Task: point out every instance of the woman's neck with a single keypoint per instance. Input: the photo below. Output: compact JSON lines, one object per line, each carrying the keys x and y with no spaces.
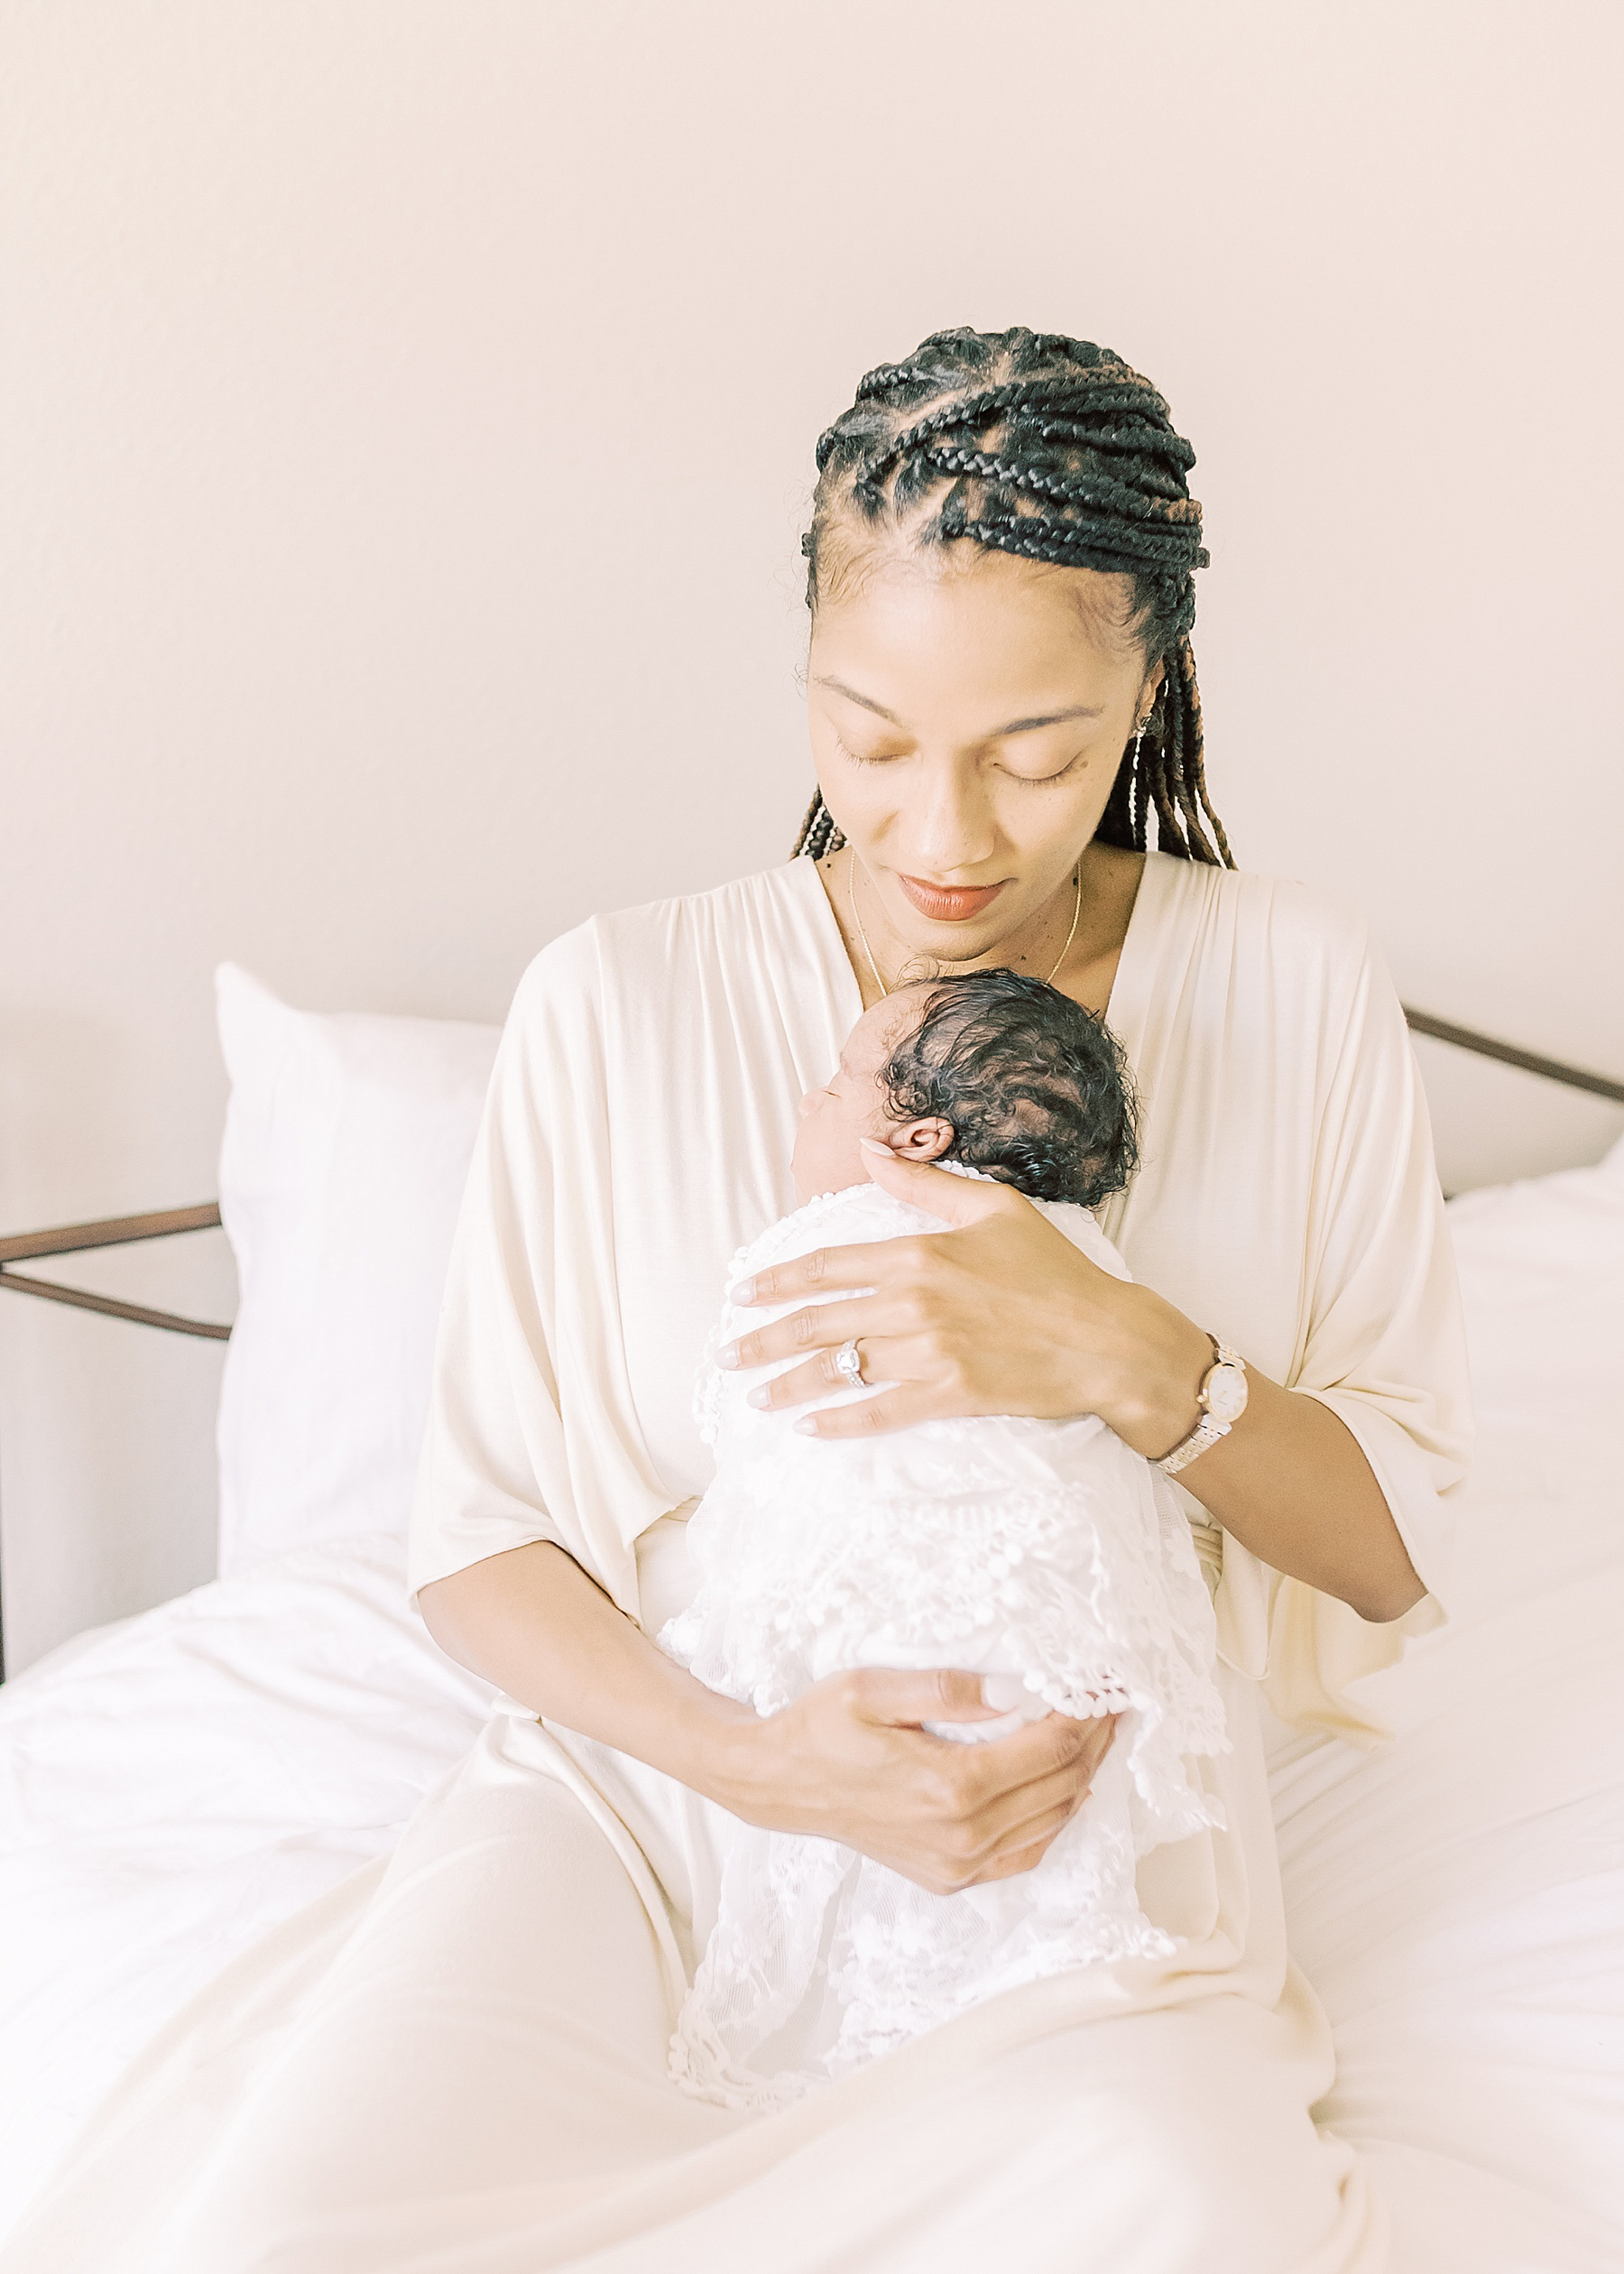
{"x":1087,"y":968}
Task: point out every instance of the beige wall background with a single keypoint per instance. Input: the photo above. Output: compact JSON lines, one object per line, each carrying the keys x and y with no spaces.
{"x":406,"y":429}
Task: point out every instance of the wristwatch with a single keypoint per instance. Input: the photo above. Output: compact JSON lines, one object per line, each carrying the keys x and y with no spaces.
{"x":1222,"y":1398}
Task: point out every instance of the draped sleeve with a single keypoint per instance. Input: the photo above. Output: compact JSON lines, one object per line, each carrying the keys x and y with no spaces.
{"x":639,"y":1129}
{"x":1287,"y":1201}
{"x":1381,"y":1344}
{"x":530,"y":1435}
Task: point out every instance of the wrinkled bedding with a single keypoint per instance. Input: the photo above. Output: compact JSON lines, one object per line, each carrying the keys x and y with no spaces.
{"x":172,"y":1786}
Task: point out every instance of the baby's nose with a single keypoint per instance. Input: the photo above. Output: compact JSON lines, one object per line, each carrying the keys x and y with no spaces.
{"x":808,"y":1099}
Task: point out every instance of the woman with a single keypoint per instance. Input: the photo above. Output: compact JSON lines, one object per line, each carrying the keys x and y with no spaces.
{"x":464,"y":2067}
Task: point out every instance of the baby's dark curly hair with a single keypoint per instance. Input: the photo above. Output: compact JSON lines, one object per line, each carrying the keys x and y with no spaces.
{"x":1036,"y":1087}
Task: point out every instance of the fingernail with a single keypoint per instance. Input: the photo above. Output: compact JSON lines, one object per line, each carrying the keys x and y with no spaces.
{"x":872,"y":1144}
{"x":728,"y":1355}
{"x":744,"y":1292}
{"x":806,"y":1426}
{"x":758,"y":1395}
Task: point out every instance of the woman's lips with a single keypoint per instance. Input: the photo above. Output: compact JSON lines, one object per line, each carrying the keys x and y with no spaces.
{"x":948,"y":903}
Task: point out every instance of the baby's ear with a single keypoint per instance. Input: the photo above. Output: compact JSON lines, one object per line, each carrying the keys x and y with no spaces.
{"x":923,"y":1139}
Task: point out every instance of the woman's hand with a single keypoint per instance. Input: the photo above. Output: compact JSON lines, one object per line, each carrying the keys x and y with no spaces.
{"x":849,"y":1761}
{"x":1001,"y":1313}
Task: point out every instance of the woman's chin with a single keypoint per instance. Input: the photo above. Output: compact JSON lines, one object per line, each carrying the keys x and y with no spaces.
{"x":975,"y":940}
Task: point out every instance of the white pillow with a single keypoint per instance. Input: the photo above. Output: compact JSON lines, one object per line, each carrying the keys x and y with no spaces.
{"x":347,"y":1141}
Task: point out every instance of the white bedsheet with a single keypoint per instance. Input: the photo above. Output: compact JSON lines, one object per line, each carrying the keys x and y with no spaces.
{"x":1457,"y":1898}
{"x":172,"y":1786}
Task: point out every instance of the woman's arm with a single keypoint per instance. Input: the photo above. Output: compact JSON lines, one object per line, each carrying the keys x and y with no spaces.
{"x":1004,"y":1314}
{"x":847,"y":1762}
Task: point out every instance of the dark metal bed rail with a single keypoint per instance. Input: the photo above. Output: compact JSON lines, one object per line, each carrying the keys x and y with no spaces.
{"x":80,"y":1239}
{"x":1508,"y":1054}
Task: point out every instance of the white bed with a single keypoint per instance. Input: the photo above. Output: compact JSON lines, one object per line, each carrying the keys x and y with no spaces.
{"x":173,"y":1786}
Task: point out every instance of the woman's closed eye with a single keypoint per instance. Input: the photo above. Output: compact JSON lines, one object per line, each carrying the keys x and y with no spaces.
{"x":867,"y":758}
{"x":888,"y":757}
{"x":1041,"y":781}
{"x":1057,"y":775}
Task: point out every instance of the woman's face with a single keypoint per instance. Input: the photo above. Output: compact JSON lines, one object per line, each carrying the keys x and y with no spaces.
{"x":969,"y":712}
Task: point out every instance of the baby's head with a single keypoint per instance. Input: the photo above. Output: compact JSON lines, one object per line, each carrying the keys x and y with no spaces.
{"x":999,"y":1071}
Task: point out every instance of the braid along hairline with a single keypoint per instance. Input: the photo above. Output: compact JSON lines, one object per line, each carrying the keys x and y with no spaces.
{"x":1128,"y":551}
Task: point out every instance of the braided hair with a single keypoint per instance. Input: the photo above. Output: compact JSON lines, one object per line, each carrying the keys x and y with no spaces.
{"x":1052,"y":448}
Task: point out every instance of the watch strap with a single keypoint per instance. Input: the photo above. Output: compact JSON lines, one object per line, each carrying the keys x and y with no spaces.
{"x":1208,"y":1429}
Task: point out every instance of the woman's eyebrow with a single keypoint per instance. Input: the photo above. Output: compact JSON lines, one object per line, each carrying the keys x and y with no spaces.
{"x":1015,"y":726}
{"x":839,"y":687}
{"x":1049,"y":719}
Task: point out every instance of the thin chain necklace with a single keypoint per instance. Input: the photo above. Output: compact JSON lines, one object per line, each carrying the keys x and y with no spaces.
{"x":868,"y":951}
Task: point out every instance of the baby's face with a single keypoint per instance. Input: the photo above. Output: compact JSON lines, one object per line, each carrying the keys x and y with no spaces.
{"x":851,"y":1105}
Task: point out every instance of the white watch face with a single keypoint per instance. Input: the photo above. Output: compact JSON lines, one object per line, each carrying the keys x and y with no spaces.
{"x":1225,"y":1393}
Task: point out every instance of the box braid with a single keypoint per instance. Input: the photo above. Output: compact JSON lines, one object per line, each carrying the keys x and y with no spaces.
{"x":1052,"y":448}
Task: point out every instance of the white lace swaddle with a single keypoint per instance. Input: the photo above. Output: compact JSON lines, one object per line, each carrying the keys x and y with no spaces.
{"x":1046,"y":1555}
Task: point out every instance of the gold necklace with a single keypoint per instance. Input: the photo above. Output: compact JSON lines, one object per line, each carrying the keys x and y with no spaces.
{"x":868,"y":951}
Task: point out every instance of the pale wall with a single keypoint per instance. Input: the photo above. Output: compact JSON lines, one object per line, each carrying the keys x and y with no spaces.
{"x":407,"y":423}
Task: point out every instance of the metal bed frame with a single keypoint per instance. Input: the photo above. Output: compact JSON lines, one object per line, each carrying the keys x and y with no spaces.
{"x":80,"y":1239}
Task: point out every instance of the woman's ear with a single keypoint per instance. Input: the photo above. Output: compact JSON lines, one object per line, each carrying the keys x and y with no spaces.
{"x":921,"y":1139}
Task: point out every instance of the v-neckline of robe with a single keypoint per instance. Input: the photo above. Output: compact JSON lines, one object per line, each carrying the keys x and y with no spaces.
{"x":1126,"y":1005}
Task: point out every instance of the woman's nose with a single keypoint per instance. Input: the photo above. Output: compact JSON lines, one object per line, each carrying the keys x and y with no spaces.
{"x":951,"y":825}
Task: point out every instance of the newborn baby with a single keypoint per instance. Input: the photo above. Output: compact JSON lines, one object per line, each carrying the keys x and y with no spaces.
{"x":1045,"y":1555}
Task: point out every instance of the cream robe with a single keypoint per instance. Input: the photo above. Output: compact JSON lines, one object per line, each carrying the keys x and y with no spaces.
{"x":462,"y":2067}
{"x":641,"y":1129}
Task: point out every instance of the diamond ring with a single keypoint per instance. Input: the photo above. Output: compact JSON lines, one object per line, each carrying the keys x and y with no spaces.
{"x":848,"y":1362}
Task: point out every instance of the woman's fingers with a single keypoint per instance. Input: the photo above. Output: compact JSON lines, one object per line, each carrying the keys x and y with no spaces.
{"x":851,"y":1761}
{"x":1013,"y":1862}
{"x":959,"y":1201}
{"x":1012,"y":1812}
{"x":1013,"y":1830}
{"x":1057,"y":1744}
{"x":900,"y":1357}
{"x":1014,"y":1825}
{"x":982,"y":1775}
{"x":820,"y":1329}
{"x":899,"y":1697}
{"x":956,"y":1200}
{"x":834,"y":1270}
{"x":892,"y":1409}
{"x":994,"y":1802}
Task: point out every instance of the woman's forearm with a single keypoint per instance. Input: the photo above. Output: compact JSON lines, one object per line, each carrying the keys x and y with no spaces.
{"x":1290,"y":1481}
{"x":533,"y":1623}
